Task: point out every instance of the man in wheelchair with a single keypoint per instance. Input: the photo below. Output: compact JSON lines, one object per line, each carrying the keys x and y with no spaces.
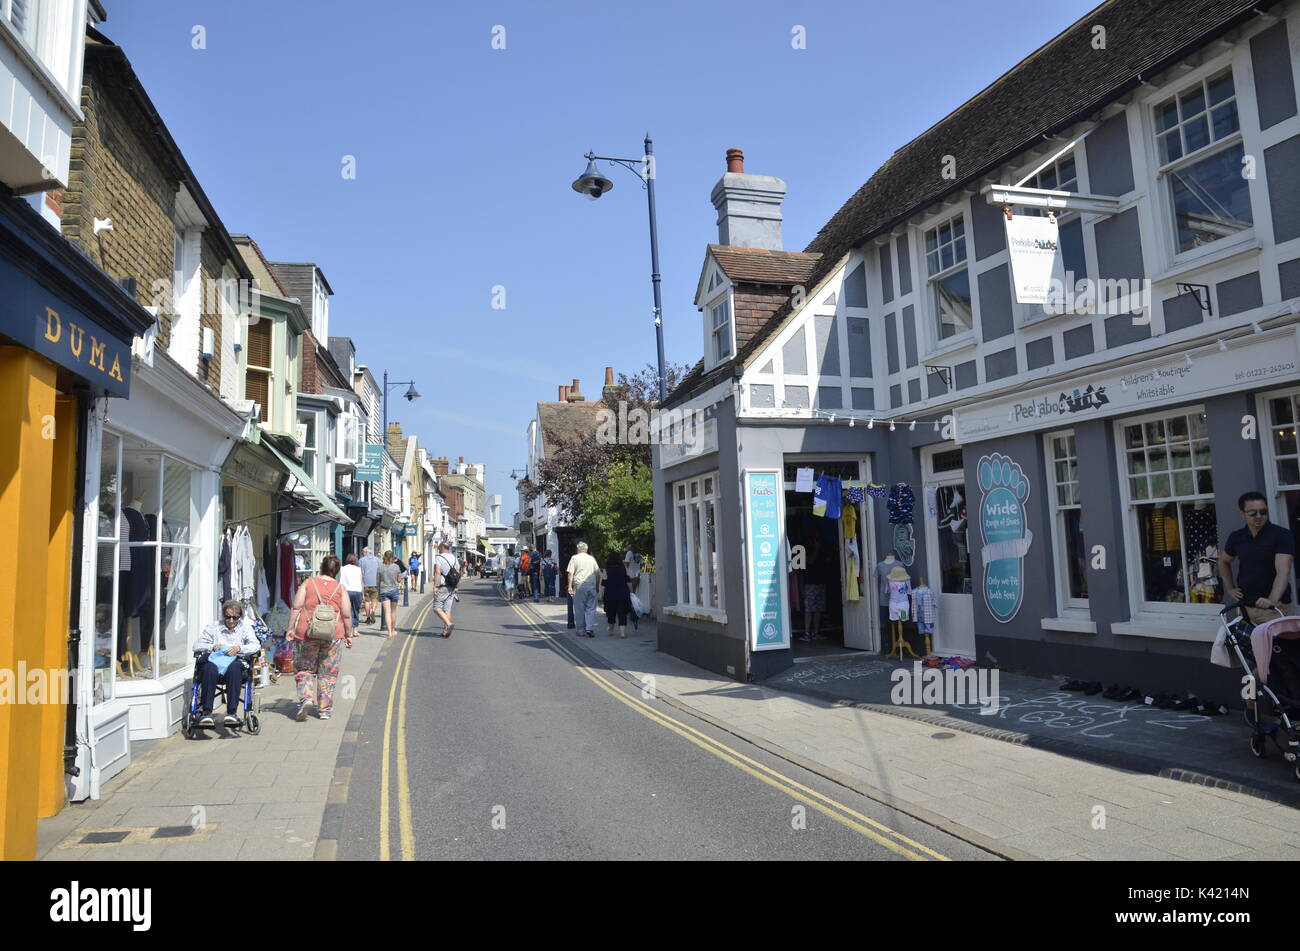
{"x":224,"y":642}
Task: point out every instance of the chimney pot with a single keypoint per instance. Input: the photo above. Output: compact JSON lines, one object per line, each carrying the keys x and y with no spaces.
{"x":575,"y":392}
{"x":560,"y":393}
{"x":609,"y":376}
{"x":564,"y":393}
{"x":736,"y":161}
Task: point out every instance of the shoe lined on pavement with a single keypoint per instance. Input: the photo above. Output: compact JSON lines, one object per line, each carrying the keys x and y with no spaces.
{"x":324,"y":716}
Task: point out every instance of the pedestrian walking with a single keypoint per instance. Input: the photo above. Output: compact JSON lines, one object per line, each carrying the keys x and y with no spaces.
{"x":350,"y":576}
{"x":1264,"y":552}
{"x":616,"y":594}
{"x":390,"y":590}
{"x":370,"y":583}
{"x":320,"y":605}
{"x":446,"y":575}
{"x":415,"y":571}
{"x":508,"y":576}
{"x":535,"y":576}
{"x":584,"y":578}
{"x":549,"y":572}
{"x":227,"y":643}
{"x":632,"y":564}
{"x":526,"y":571}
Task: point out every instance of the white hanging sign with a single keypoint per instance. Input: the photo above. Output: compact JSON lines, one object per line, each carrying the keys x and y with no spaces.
{"x":803,"y":479}
{"x":1034,"y":245}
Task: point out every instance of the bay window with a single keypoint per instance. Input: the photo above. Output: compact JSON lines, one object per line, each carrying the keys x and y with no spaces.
{"x":698,"y":560}
{"x":1283,"y":423}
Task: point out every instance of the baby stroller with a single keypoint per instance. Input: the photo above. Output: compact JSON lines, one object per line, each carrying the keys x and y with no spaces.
{"x":251,"y":705}
{"x":1269,"y":653}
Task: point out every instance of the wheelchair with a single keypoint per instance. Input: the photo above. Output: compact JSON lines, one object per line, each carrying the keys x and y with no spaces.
{"x":251,"y":705}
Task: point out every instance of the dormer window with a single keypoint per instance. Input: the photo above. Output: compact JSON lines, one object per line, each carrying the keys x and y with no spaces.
{"x":945,"y":261}
{"x":720,"y":336}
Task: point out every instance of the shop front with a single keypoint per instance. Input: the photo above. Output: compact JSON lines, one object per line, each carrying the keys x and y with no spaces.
{"x":66,"y":331}
{"x":151,"y":526}
{"x":1099,"y":510}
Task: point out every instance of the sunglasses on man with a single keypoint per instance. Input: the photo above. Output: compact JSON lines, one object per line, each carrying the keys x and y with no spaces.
{"x":1255,"y":513}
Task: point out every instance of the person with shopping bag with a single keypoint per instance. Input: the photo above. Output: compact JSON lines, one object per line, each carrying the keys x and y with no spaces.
{"x":321,"y":625}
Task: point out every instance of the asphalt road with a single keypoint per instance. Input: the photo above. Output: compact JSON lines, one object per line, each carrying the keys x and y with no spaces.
{"x":499,"y":746}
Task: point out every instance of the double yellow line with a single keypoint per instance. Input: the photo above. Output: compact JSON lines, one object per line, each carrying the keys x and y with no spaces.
{"x":397,"y":693}
{"x":878,"y":832}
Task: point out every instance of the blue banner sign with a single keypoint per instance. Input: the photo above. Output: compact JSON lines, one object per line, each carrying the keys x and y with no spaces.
{"x":371,"y":466}
{"x":769,"y":627}
{"x":1005,"y":531}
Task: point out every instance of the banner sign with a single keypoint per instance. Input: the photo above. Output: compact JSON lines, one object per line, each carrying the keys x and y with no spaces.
{"x":1248,"y":363}
{"x":769,"y":627}
{"x":371,"y":466}
{"x":412,"y":531}
{"x":1034,"y":246}
{"x":1006,"y":534}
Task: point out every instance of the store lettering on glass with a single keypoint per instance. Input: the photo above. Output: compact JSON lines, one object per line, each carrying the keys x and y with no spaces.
{"x":76,"y":337}
{"x":1090,"y":397}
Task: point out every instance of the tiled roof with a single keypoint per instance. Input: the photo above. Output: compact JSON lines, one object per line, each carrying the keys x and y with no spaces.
{"x":1064,"y":82}
{"x":567,"y":422}
{"x":760,"y":266}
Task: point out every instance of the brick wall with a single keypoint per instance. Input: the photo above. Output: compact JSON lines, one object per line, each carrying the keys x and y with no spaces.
{"x":310,"y":380}
{"x":754,"y":305}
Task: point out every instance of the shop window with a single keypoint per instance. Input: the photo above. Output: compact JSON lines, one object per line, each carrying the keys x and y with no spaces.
{"x":954,"y":548}
{"x":1067,"y":527}
{"x":1061,"y":176}
{"x":950,"y":295}
{"x":1172,"y":513}
{"x":698,"y":567}
{"x":257,"y":379}
{"x":1198,"y":138}
{"x":146,"y":609}
{"x":1284,"y":421}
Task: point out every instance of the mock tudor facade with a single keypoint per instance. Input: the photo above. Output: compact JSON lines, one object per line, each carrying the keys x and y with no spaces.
{"x":1074,"y":472}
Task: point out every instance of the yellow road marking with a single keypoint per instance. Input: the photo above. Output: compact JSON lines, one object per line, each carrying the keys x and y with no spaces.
{"x":404,"y":803}
{"x":824,"y":804}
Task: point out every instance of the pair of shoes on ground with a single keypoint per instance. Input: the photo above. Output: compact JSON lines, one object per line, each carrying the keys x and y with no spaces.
{"x":1191,"y":704}
{"x":207,"y":719}
{"x":1090,"y":688}
{"x":1122,"y":694}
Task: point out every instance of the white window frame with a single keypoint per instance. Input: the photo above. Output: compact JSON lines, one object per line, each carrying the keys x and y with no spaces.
{"x":939,"y":344}
{"x":349,"y":425}
{"x":711,"y":332}
{"x":1065,"y":601}
{"x":688,"y":505}
{"x":1273,"y":485}
{"x":1132,"y":531}
{"x":312,"y":430}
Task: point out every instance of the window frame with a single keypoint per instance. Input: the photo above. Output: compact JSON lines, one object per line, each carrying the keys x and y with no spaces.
{"x":691,"y":499}
{"x":1273,"y":485}
{"x":1139,"y":606}
{"x":1066,"y":603}
{"x":712,"y":331}
{"x":963,"y":338}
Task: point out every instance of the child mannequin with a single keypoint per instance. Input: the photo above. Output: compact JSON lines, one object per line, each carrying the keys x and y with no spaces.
{"x":900,"y":608}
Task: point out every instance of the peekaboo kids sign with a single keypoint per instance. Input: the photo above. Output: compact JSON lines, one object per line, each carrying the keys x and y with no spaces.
{"x":1005,"y":532}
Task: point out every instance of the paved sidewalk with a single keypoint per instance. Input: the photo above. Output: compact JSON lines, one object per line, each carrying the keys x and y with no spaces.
{"x":1020,"y":801}
{"x":251,"y":797}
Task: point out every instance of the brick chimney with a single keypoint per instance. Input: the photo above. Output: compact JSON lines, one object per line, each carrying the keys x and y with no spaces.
{"x":564,"y":392}
{"x":749,"y":206}
{"x":559,"y":390}
{"x":439,"y":465}
{"x":610,"y":391}
{"x":575,"y":392}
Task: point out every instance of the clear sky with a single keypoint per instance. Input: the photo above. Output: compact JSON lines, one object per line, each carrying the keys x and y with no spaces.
{"x":464,"y":155}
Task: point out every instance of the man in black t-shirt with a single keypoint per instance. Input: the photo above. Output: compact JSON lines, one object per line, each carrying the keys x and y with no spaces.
{"x":1264,"y":553}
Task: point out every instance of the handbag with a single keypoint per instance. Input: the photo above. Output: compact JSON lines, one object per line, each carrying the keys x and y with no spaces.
{"x":324,"y":618}
{"x":284,"y":655}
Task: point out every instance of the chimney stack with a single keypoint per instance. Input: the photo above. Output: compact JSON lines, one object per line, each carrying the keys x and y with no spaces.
{"x":749,"y":206}
{"x":575,"y":392}
{"x":564,"y":393}
{"x":610,"y":391}
{"x":559,"y":390}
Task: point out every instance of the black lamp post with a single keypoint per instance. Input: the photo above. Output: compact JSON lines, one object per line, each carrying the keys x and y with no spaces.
{"x":592,"y":184}
{"x":410,"y":394}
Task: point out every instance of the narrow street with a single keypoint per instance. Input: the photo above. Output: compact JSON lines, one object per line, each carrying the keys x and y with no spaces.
{"x":504,"y":743}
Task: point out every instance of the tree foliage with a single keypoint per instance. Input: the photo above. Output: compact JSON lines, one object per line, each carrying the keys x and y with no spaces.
{"x":618,"y":510}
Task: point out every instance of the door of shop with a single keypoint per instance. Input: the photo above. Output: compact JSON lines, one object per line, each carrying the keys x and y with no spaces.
{"x":856,"y":616}
{"x":948,"y":552}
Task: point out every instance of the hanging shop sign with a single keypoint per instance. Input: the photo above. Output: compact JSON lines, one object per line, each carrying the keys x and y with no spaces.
{"x":769,"y":626}
{"x":371,"y":465}
{"x":1005,"y":533}
{"x":1257,"y":360}
{"x":412,"y":531}
{"x":1034,"y":246}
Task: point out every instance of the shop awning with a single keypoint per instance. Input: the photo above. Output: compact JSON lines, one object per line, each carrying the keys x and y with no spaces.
{"x":487,"y":546}
{"x":316,"y":500}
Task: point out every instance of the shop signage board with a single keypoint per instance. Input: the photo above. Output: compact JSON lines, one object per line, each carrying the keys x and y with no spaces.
{"x":412,"y":531}
{"x":769,"y":624}
{"x":1269,"y":357}
{"x":1004,"y":529}
{"x":371,"y":465}
{"x":1034,"y":246}
{"x":40,"y":321}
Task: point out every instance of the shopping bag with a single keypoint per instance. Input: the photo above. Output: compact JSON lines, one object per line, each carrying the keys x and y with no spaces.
{"x":1219,"y":652}
{"x":637,"y":609}
{"x":284,"y":655}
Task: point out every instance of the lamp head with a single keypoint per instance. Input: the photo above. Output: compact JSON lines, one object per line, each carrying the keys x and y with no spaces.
{"x":410,"y":394}
{"x":591,"y":184}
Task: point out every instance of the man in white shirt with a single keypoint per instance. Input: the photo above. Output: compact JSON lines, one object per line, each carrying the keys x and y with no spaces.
{"x":632,"y":561}
{"x":444,"y":595}
{"x":584,"y":573}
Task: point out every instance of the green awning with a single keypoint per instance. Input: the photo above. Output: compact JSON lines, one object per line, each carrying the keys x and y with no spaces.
{"x":324,"y":506}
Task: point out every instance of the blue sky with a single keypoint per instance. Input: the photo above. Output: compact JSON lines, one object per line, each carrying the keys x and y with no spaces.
{"x":464,"y":155}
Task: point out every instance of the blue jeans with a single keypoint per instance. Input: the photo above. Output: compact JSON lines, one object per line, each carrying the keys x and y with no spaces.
{"x":584,"y":606}
{"x":536,"y":577}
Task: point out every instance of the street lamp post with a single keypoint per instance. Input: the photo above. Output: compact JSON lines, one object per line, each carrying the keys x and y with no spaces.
{"x":592,"y":184}
{"x":411,"y":396}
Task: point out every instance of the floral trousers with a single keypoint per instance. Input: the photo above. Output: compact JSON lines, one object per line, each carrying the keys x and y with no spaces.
{"x":316,"y":671}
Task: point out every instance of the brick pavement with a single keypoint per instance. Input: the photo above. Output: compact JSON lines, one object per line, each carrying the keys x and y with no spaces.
{"x":252,"y":797}
{"x":1016,"y":800}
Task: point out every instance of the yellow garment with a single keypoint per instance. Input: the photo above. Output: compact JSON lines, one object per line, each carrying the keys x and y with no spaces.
{"x":851,"y":570}
{"x":849,"y":518}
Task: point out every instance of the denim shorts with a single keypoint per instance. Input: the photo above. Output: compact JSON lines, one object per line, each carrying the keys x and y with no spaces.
{"x":389,"y":596}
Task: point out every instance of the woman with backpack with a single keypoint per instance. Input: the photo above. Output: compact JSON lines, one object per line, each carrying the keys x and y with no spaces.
{"x":321,"y":623}
{"x":390,"y":589}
